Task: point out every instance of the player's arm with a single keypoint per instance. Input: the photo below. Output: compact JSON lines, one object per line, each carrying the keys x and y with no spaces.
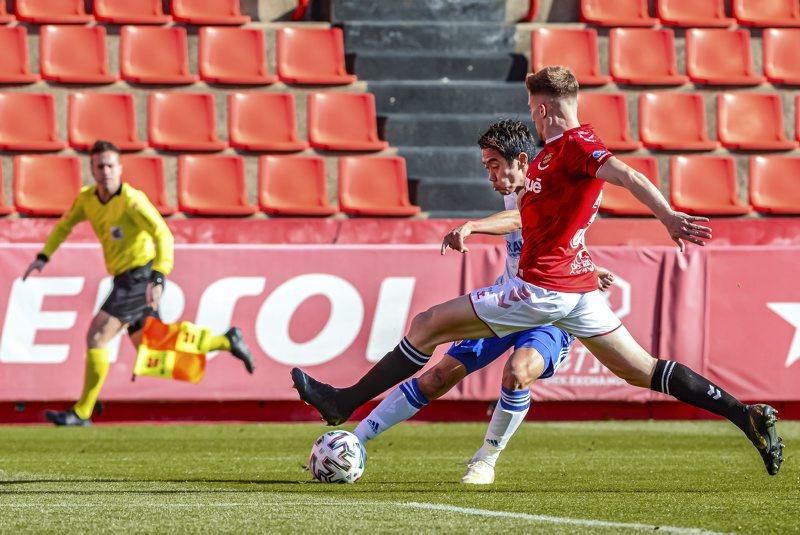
{"x":498,"y":224}
{"x":679,"y":225}
{"x":146,"y":217}
{"x":60,"y":232}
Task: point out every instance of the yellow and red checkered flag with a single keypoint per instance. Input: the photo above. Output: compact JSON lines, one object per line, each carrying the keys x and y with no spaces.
{"x":171,"y":351}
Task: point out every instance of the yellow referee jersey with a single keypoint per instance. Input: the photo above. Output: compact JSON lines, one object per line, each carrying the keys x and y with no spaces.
{"x":129,"y":228}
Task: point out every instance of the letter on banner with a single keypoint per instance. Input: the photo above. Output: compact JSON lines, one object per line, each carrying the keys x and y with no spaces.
{"x":391,"y":316}
{"x":218,"y":301}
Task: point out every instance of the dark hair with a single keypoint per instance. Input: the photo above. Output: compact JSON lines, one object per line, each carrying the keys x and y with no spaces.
{"x":510,"y":138}
{"x":103,"y":146}
{"x":554,"y":81}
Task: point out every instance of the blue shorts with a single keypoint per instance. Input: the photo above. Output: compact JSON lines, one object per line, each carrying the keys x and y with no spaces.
{"x":551,"y":342}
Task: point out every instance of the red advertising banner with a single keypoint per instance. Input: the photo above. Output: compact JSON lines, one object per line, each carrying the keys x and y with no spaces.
{"x":731,"y":313}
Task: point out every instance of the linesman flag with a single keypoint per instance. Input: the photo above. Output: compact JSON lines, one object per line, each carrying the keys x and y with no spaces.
{"x":172,"y":351}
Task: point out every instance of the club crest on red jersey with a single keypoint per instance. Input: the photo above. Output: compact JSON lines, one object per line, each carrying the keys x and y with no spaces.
{"x":545,"y":162}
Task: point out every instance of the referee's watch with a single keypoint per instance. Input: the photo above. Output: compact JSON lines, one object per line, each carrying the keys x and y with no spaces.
{"x":157,"y":278}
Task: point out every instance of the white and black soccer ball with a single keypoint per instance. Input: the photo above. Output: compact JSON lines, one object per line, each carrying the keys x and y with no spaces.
{"x":337,"y":457}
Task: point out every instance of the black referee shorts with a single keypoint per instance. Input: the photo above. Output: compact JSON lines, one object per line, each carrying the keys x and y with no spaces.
{"x":128,"y":299}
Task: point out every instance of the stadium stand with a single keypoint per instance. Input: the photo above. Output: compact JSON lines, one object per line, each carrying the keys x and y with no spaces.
{"x":643,"y":56}
{"x":311,"y":56}
{"x":5,"y":208}
{"x":751,"y":121}
{"x":780,"y":55}
{"x":575,"y":48}
{"x":705,"y":185}
{"x":673,"y":121}
{"x":293,"y":186}
{"x":59,"y":61}
{"x":50,"y":12}
{"x":5,"y":16}
{"x":154,"y":55}
{"x":775,"y":184}
{"x":205,"y":12}
{"x":608,"y":114}
{"x":619,"y":201}
{"x":146,"y":173}
{"x":374,"y":186}
{"x":14,"y":59}
{"x":45,"y":185}
{"x":234,"y":56}
{"x":183,"y":122}
{"x":720,"y":57}
{"x":259,"y":121}
{"x":616,"y":13}
{"x":343,"y":121}
{"x":693,"y":14}
{"x":28,"y":122}
{"x":212,"y":185}
{"x":109,"y":116}
{"x":130,"y":12}
{"x":766,"y":13}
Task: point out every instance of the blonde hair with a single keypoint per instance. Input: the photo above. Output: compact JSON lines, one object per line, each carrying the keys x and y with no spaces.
{"x":554,"y":81}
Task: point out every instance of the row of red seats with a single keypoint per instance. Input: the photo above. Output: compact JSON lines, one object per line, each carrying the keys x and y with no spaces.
{"x":199,"y":12}
{"x":160,"y":55}
{"x":677,"y":121}
{"x":215,"y":185}
{"x":708,"y":185}
{"x":645,"y":56}
{"x":691,"y":13}
{"x":257,"y":121}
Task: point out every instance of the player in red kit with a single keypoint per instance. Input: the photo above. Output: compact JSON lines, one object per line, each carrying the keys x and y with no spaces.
{"x":557,"y":280}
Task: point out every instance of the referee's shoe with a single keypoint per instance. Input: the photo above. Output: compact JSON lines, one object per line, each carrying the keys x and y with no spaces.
{"x":239,"y":348}
{"x":67,"y":418}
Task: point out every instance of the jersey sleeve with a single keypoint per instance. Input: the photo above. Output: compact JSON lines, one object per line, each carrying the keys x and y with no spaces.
{"x":75,"y":215}
{"x":588,"y":153}
{"x":146,"y":217}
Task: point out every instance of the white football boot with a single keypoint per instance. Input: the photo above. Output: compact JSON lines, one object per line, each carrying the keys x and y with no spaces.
{"x":479,"y":472}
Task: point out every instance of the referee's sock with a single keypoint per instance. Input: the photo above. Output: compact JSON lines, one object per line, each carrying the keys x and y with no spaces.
{"x":675,"y":379}
{"x":95,"y":374}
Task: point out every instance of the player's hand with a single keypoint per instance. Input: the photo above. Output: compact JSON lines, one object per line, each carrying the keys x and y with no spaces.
{"x":153,"y":294}
{"x":683,"y":227}
{"x":455,"y":239}
{"x":604,"y":279}
{"x":36,"y":265}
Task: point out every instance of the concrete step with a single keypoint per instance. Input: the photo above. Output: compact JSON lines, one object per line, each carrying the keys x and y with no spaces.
{"x":425,"y":36}
{"x":497,"y":66}
{"x":439,"y":130}
{"x":446,"y":198}
{"x":444,"y":163}
{"x":450,"y":97}
{"x":420,"y":10}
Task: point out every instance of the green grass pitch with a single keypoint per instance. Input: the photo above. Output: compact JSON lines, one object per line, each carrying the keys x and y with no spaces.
{"x":604,"y":477}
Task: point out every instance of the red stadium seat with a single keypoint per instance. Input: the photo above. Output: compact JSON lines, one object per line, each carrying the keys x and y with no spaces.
{"x":643,"y":56}
{"x":14,"y":57}
{"x":751,"y":121}
{"x":673,"y":121}
{"x":608,"y":114}
{"x":574,"y":48}
{"x":52,"y":11}
{"x":46,"y":185}
{"x":183,"y":121}
{"x":154,"y":55}
{"x":343,"y":121}
{"x":767,"y":13}
{"x":74,"y":55}
{"x":780,"y":55}
{"x":797,"y":117}
{"x":616,"y":13}
{"x":212,"y":185}
{"x":693,"y":14}
{"x":108,"y":116}
{"x":5,"y":209}
{"x":208,"y":12}
{"x":775,"y":184}
{"x":261,"y":121}
{"x":5,"y":16}
{"x":146,"y":173}
{"x":311,"y":56}
{"x":720,"y":57}
{"x":130,"y":12}
{"x":293,"y":185}
{"x":374,"y":186}
{"x":28,"y":122}
{"x":234,"y":56}
{"x":705,"y":185}
{"x":620,"y":201}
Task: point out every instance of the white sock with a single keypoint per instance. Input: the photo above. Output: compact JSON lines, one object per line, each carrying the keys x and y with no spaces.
{"x":506,"y":419}
{"x":401,"y":404}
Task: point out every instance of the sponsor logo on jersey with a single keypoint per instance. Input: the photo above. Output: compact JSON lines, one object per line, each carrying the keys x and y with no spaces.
{"x":599,"y":154}
{"x":514,"y":248}
{"x":582,"y":263}
{"x":542,"y":165}
{"x":534,"y":185}
{"x":116,"y":233}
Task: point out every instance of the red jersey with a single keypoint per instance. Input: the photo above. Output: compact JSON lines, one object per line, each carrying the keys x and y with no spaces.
{"x":559,"y":202}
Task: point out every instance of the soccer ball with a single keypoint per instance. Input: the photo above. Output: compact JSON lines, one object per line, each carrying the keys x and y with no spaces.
{"x":337,"y":457}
